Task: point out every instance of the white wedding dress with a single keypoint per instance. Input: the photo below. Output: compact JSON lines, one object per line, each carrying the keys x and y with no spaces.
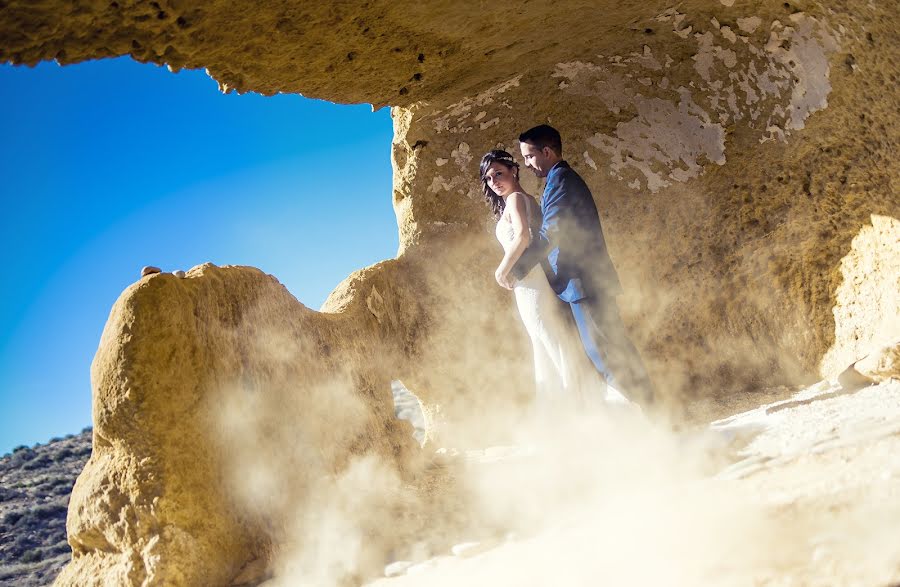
{"x":564,"y":375}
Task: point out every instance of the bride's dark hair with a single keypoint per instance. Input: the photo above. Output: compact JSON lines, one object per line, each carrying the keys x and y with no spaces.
{"x":495,"y":202}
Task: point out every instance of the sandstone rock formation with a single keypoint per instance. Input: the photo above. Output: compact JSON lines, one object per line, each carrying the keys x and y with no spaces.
{"x":219,"y":402}
{"x":742,"y":156}
{"x":738,"y":153}
{"x":180,"y":362}
{"x":746,"y":191}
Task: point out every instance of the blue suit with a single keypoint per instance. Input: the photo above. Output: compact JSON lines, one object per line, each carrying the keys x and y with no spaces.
{"x":573,"y":253}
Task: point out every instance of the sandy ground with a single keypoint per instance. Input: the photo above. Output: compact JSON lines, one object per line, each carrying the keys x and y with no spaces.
{"x":799,"y":492}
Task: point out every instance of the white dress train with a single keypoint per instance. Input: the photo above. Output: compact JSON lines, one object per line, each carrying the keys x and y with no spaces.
{"x":564,"y":375}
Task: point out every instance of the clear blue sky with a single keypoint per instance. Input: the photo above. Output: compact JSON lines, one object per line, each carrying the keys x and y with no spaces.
{"x":111,"y":165}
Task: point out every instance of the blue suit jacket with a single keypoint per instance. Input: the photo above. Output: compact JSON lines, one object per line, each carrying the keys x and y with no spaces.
{"x":571,"y":247}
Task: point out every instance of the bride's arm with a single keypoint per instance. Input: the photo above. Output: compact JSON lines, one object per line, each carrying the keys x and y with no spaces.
{"x":518,"y":217}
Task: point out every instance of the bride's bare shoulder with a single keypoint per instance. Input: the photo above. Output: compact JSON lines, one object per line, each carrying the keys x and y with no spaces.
{"x":520,"y":195}
{"x":516,"y":197}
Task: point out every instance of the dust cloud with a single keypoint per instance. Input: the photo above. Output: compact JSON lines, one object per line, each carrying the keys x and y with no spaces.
{"x":582,"y":495}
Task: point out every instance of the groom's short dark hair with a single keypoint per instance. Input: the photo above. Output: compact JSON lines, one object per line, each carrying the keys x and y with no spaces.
{"x":542,"y":136}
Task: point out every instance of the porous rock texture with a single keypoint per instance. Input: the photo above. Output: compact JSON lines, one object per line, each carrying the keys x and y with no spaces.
{"x":219,"y":401}
{"x":742,"y":156}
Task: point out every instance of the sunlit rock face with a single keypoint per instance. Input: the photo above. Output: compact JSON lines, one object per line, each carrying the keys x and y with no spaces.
{"x":742,"y":156}
{"x":219,"y":404}
{"x":227,"y":415}
{"x":735,"y":149}
{"x":740,"y":159}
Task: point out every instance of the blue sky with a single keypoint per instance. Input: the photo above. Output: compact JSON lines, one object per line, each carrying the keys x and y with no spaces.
{"x":111,"y":165}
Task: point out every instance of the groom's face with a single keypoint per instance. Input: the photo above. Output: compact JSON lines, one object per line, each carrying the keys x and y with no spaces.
{"x":539,"y":160}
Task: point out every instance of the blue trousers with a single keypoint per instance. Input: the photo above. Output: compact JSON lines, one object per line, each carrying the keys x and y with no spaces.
{"x":607,"y":344}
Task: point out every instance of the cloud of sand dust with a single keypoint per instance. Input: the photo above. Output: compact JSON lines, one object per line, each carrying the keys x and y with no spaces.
{"x":305,"y":462}
{"x":597,"y":496}
{"x":607,"y":498}
{"x":599,"y":499}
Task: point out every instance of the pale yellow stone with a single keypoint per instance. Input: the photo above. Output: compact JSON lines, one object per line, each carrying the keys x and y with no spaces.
{"x":882,"y":364}
{"x":748,"y":198}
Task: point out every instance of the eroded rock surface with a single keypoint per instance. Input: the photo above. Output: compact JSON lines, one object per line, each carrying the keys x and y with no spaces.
{"x":186,"y":367}
{"x":220,"y":406}
{"x":742,"y":156}
{"x":740,"y":162}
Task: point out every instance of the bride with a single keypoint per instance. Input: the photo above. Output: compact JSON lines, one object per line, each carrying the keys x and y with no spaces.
{"x":564,"y":375}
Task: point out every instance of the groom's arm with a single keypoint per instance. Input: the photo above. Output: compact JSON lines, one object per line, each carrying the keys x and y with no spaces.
{"x":555,"y":197}
{"x":542,"y":243}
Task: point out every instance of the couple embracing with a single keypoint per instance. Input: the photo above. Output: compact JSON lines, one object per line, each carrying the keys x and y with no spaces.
{"x":556,"y":263}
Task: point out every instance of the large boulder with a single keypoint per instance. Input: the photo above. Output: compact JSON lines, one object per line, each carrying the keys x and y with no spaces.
{"x":224,"y":409}
{"x":186,"y":371}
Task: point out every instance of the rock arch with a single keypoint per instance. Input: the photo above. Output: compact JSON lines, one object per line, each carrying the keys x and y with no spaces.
{"x":736,"y":150}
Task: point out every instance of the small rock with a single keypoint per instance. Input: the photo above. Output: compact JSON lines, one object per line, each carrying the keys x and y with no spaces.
{"x":397,"y":568}
{"x":852,"y":380}
{"x":467,"y":549}
{"x":421,"y":567}
{"x":149,"y":270}
{"x":882,"y":364}
{"x":179,"y":274}
{"x":427,"y":565}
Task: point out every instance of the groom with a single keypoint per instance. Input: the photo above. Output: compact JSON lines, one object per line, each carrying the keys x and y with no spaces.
{"x":573,"y":254}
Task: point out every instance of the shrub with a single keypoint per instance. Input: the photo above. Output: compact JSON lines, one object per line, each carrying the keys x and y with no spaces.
{"x":38,"y":462}
{"x":11,"y":518}
{"x":20,"y":458}
{"x":21,"y":543}
{"x":7,"y":494}
{"x":62,"y":454}
{"x":46,"y":511}
{"x":83,"y":451}
{"x":61,"y":547}
{"x":62,"y":487}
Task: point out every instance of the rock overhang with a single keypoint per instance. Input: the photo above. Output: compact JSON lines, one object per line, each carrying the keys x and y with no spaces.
{"x":379,"y":52}
{"x":744,"y":229}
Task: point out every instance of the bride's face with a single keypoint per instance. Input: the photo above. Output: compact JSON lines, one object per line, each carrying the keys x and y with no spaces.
{"x":501,"y":179}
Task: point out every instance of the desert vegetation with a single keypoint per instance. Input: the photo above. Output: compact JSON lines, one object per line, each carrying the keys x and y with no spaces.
{"x":35,"y":484}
